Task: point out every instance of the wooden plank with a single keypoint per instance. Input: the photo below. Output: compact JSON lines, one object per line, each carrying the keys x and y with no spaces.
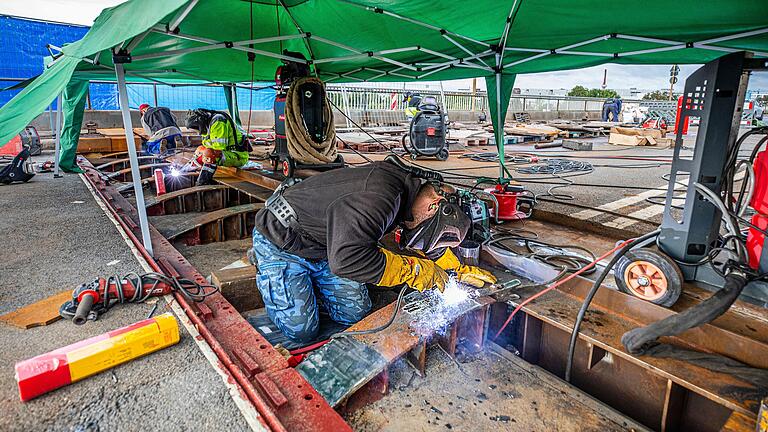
{"x":40,"y":313}
{"x":261,"y":193}
{"x":738,"y":422}
{"x":238,"y":286}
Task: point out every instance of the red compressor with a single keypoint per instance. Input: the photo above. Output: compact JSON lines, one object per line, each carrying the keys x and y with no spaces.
{"x":513,"y":202}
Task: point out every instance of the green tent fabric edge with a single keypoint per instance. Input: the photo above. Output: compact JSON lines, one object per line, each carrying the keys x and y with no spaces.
{"x":499,"y":88}
{"x":73,"y":108}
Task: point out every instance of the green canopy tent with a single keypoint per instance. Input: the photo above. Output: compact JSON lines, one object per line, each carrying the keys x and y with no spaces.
{"x":241,"y":41}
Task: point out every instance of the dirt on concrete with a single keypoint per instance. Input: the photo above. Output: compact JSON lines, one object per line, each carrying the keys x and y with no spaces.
{"x":485,"y":392}
{"x":55,"y":237}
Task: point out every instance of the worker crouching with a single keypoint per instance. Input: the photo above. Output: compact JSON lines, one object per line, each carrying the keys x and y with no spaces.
{"x":222,"y":142}
{"x":160,"y":125}
{"x":316,"y":244}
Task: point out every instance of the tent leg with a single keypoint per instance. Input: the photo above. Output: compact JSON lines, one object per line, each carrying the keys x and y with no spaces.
{"x":135,"y":175}
{"x":57,"y":151}
{"x":499,"y":132}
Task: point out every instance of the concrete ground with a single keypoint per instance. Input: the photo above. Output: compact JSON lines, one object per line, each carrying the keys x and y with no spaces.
{"x":54,"y":237}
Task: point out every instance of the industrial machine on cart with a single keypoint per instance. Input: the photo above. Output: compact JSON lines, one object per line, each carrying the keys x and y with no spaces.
{"x":311,"y":105}
{"x":691,"y":245}
{"x":427,"y":132}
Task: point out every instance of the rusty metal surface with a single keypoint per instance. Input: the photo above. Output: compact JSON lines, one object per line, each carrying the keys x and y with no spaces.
{"x":229,"y":223}
{"x":191,"y":199}
{"x":226,"y":330}
{"x":113,"y":165}
{"x":741,"y":339}
{"x":124,"y":175}
{"x":558,"y":309}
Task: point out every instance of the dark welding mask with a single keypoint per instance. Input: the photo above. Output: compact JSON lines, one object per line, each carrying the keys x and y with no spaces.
{"x":199,"y":119}
{"x":447,"y":228}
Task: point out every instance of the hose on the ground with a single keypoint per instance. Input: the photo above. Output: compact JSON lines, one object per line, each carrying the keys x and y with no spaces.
{"x":301,"y":146}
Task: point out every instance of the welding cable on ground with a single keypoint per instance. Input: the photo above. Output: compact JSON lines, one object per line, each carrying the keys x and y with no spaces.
{"x":556,"y":168}
{"x":382,"y":327}
{"x":622,"y":249}
{"x":557,"y":284}
{"x":558,"y":256}
{"x":190,"y":289}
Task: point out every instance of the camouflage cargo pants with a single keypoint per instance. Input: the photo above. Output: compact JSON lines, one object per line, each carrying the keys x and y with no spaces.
{"x":291,"y":287}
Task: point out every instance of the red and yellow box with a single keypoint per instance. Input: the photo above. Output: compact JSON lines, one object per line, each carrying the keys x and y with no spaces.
{"x":46,"y":372}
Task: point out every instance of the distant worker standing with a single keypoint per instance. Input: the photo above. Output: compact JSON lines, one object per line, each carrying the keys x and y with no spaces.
{"x":611,"y":109}
{"x":161,"y":127}
{"x":412,"y":101}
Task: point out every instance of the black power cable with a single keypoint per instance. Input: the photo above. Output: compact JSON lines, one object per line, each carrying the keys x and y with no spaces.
{"x":591,"y":294}
{"x":382,"y":327}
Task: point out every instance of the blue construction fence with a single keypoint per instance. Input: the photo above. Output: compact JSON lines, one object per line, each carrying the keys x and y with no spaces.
{"x":23,"y":44}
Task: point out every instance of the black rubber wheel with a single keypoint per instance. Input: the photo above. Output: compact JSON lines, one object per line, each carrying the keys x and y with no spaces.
{"x":649,"y":275}
{"x":339,"y":159}
{"x":442,"y":154}
{"x":289,"y":166}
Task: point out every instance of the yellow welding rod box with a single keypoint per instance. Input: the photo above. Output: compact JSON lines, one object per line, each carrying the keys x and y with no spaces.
{"x":71,"y":363}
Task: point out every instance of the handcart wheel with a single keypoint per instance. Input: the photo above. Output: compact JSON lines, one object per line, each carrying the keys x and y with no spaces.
{"x":442,"y":154}
{"x":649,"y":275}
{"x":289,"y":166}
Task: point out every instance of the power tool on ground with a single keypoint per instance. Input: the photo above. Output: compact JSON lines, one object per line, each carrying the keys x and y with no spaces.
{"x":19,"y":170}
{"x":93,"y":299}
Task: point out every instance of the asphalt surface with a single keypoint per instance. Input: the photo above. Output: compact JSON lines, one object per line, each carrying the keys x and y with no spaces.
{"x":54,"y":237}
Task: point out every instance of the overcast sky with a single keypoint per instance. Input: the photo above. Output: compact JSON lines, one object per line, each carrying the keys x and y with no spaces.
{"x":619,"y":76}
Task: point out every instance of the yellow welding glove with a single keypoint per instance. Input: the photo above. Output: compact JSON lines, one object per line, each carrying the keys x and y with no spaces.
{"x":418,"y":273}
{"x":471,"y":275}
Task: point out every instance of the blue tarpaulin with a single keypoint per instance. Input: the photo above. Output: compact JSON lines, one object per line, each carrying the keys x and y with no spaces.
{"x":23,"y":46}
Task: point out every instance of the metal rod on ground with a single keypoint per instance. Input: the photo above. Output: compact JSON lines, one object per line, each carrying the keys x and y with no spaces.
{"x":135,"y":174}
{"x":57,"y":151}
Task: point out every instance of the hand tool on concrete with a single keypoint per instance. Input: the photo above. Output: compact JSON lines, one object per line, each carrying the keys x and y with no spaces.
{"x":46,"y":372}
{"x":93,"y":299}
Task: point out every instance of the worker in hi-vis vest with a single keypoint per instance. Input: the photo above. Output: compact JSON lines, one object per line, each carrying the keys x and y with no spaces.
{"x":222,"y":142}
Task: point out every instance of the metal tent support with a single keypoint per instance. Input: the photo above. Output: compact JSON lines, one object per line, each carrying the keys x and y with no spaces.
{"x":57,"y":151}
{"x":135,"y":175}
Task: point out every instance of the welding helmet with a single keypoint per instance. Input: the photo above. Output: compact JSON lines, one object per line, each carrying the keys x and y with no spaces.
{"x":447,"y":228}
{"x":199,"y":119}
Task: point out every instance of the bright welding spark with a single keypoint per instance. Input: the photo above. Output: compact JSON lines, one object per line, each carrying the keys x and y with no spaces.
{"x":455,"y":292}
{"x":175,"y":172}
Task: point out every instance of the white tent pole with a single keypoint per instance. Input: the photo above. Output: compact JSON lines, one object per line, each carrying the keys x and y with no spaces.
{"x":57,"y":152}
{"x":135,"y":175}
